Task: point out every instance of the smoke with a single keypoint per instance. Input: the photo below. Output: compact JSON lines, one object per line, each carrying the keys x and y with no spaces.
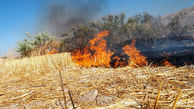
{"x":60,"y":15}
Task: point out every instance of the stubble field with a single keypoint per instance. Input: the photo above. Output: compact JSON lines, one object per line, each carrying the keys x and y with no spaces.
{"x":34,"y":83}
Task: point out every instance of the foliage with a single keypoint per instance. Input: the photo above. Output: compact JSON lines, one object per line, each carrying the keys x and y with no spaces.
{"x":176,"y":28}
{"x":25,"y":47}
{"x":77,"y":37}
{"x":37,"y":45}
{"x":122,"y":29}
{"x":139,"y":27}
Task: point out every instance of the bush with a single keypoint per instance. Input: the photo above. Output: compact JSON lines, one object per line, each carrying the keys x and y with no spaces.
{"x":25,"y":47}
{"x":122,"y":29}
{"x":39,"y":44}
{"x":139,"y":27}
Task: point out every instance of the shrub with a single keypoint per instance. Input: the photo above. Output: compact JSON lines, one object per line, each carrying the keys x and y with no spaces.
{"x":122,"y":29}
{"x":139,"y":27}
{"x":40,"y":44}
{"x":25,"y":47}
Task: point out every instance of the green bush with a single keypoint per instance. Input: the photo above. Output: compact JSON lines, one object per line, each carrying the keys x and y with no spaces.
{"x":25,"y":47}
{"x":39,"y":44}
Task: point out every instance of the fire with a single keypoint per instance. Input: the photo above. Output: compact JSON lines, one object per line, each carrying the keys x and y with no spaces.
{"x":119,"y":62}
{"x":167,"y":63}
{"x":96,"y":54}
{"x":136,"y":59}
{"x":53,"y":51}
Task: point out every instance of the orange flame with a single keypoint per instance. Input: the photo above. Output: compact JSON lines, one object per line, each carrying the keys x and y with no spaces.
{"x":167,"y":63}
{"x":136,"y":59}
{"x":53,"y":51}
{"x":119,"y":63}
{"x":99,"y":57}
{"x":96,"y":54}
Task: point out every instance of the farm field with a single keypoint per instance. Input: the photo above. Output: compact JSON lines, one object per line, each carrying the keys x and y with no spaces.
{"x":34,"y":83}
{"x":112,"y":54}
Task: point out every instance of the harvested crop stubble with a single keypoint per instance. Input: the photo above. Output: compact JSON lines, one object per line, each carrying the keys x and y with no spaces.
{"x":34,"y":83}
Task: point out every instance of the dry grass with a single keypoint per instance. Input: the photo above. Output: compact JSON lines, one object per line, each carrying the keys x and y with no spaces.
{"x":37,"y":65}
{"x":34,"y":83}
{"x":158,"y":96}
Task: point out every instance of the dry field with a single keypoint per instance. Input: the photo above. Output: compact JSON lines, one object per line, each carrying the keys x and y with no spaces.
{"x":34,"y":83}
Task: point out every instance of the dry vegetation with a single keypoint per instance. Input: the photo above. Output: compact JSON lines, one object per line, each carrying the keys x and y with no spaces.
{"x":34,"y":83}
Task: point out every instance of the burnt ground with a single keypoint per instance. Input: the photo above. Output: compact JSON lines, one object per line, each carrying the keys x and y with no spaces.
{"x":178,"y":52}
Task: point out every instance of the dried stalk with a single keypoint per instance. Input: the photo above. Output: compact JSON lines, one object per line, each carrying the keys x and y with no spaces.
{"x":158,"y":96}
{"x":61,"y":104}
{"x":64,"y":97}
{"x":71,"y":99}
{"x":176,"y":99}
{"x":150,"y":64}
{"x":135,"y":64}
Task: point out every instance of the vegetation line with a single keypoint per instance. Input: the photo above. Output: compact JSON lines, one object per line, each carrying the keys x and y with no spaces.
{"x":122,"y":29}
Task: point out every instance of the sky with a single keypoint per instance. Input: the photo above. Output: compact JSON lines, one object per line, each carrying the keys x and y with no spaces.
{"x":20,"y":16}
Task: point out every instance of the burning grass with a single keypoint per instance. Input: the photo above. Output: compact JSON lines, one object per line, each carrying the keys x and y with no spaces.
{"x":34,"y":83}
{"x":97,"y":54}
{"x":100,"y":56}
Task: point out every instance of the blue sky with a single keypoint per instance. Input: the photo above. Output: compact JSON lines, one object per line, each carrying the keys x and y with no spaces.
{"x":20,"y":16}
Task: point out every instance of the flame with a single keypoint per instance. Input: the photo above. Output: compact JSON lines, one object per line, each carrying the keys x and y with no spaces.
{"x":136,"y":59}
{"x":94,"y":55}
{"x":119,"y":62}
{"x":167,"y":63}
{"x":53,"y":51}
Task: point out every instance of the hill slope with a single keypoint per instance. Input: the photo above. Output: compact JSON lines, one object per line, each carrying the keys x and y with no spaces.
{"x":188,"y":14}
